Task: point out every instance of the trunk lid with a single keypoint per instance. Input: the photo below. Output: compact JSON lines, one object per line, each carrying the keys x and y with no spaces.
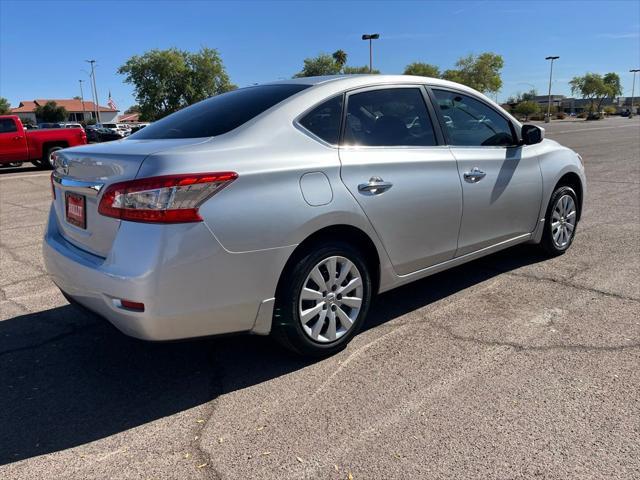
{"x":83,"y":173}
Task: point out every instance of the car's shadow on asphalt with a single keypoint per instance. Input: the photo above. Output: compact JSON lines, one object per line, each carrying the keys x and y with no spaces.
{"x":68,"y":377}
{"x":22,"y":169}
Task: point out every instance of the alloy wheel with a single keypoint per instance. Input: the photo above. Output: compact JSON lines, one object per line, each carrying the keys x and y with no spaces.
{"x":331,"y":299}
{"x":563,"y":221}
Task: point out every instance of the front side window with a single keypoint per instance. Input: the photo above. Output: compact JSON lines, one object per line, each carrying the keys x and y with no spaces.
{"x":324,"y":120}
{"x":220,"y":114}
{"x":7,"y":125}
{"x":469,"y":122}
{"x":389,"y":117}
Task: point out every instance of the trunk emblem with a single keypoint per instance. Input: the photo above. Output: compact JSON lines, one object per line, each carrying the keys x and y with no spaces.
{"x":63,"y":164}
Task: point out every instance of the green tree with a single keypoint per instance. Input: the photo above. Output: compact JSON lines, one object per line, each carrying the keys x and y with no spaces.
{"x":51,"y":112}
{"x":167,"y":80}
{"x":133,"y":109}
{"x":340,"y":57}
{"x":526,"y":108}
{"x":334,"y":64}
{"x":323,"y":64}
{"x":359,"y":70}
{"x":5,"y":106}
{"x":28,"y":121}
{"x":521,"y":97}
{"x":595,"y":88}
{"x":422,"y":69}
{"x":481,"y":72}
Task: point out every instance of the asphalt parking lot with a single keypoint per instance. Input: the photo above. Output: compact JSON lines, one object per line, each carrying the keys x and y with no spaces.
{"x":513,"y":366}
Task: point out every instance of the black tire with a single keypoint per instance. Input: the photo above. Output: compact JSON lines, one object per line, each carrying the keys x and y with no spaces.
{"x":44,"y":162}
{"x":287,"y":327}
{"x":548,"y":245}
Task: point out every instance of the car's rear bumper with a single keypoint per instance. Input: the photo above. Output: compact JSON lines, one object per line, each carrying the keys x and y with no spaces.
{"x":189,"y":284}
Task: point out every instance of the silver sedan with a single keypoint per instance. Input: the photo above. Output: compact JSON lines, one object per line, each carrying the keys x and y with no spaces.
{"x":283,"y":208}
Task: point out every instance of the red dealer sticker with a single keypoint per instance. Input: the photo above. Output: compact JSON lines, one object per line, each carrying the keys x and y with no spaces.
{"x":76,"y":209}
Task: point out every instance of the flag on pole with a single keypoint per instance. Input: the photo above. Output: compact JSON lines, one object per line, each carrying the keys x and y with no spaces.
{"x":111,"y":103}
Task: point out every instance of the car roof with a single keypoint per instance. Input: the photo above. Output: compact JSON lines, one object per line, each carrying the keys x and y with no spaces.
{"x":367,"y":79}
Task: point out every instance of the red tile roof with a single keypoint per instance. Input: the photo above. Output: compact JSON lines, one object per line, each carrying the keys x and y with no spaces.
{"x":26,"y":106}
{"x":70,"y":104}
{"x":129,"y":117}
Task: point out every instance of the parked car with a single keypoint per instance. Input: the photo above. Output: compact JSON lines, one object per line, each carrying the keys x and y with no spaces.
{"x":18,"y":144}
{"x":138,"y":127}
{"x":123,"y":130}
{"x":97,"y":135}
{"x":284,"y":208}
{"x":46,"y":125}
{"x":111,"y":126}
{"x":72,"y":125}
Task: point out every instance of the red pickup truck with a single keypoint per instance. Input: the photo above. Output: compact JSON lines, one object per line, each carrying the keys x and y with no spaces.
{"x":19,"y":145}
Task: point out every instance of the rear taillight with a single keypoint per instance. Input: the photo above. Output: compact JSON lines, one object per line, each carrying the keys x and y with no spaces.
{"x":167,"y":199}
{"x":53,"y":187}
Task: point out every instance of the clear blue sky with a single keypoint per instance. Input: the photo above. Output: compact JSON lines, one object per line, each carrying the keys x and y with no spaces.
{"x":43,"y":45}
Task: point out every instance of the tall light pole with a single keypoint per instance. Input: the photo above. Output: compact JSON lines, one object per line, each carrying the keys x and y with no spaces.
{"x":370,"y":37}
{"x":82,"y":100}
{"x":95,"y":89}
{"x":548,"y":118}
{"x":633,"y":89}
{"x":93,"y":95}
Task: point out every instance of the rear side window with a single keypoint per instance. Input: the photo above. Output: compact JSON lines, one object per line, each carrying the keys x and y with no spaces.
{"x":470,"y":122}
{"x":388,"y":117}
{"x":324,"y":120}
{"x":219,"y":114}
{"x":7,"y":125}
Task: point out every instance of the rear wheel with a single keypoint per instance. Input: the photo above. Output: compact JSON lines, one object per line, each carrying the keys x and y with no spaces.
{"x":323,"y":300}
{"x":46,"y":162}
{"x":561,"y":221}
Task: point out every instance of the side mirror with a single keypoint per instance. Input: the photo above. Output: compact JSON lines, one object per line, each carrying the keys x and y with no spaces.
{"x":532,"y":134}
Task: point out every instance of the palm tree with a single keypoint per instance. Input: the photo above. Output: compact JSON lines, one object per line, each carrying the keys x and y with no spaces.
{"x":340,"y":57}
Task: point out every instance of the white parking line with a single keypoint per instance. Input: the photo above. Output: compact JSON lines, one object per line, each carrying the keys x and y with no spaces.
{"x":577,"y":130}
{"x":43,"y":174}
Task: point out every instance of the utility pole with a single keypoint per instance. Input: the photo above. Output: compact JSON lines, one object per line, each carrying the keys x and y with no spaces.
{"x":82,"y":100}
{"x":633,"y":89}
{"x":371,"y":37}
{"x":548,"y":118}
{"x":95,"y":89}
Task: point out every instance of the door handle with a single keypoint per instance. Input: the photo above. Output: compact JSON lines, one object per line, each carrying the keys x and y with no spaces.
{"x":375,"y":186}
{"x":475,"y":175}
{"x":17,"y":137}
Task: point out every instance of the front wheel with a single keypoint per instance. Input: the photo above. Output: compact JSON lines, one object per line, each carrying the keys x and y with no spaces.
{"x":323,"y":300}
{"x":561,"y":221}
{"x":46,"y":162}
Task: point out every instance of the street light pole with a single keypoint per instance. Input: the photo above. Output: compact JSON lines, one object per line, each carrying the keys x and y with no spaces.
{"x":82,"y":100}
{"x":548,"y":118}
{"x":633,"y":89}
{"x":95,"y":89}
{"x":370,"y":37}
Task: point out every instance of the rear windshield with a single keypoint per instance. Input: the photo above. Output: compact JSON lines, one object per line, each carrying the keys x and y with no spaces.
{"x":219,"y":114}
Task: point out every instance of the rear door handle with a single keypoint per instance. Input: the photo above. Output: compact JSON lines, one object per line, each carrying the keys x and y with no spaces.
{"x":475,"y":175}
{"x":375,"y":186}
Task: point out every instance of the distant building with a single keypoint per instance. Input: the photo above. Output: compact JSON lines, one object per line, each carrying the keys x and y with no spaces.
{"x":543,"y":101}
{"x":579,"y":105}
{"x":78,"y":111}
{"x":129,"y":118}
